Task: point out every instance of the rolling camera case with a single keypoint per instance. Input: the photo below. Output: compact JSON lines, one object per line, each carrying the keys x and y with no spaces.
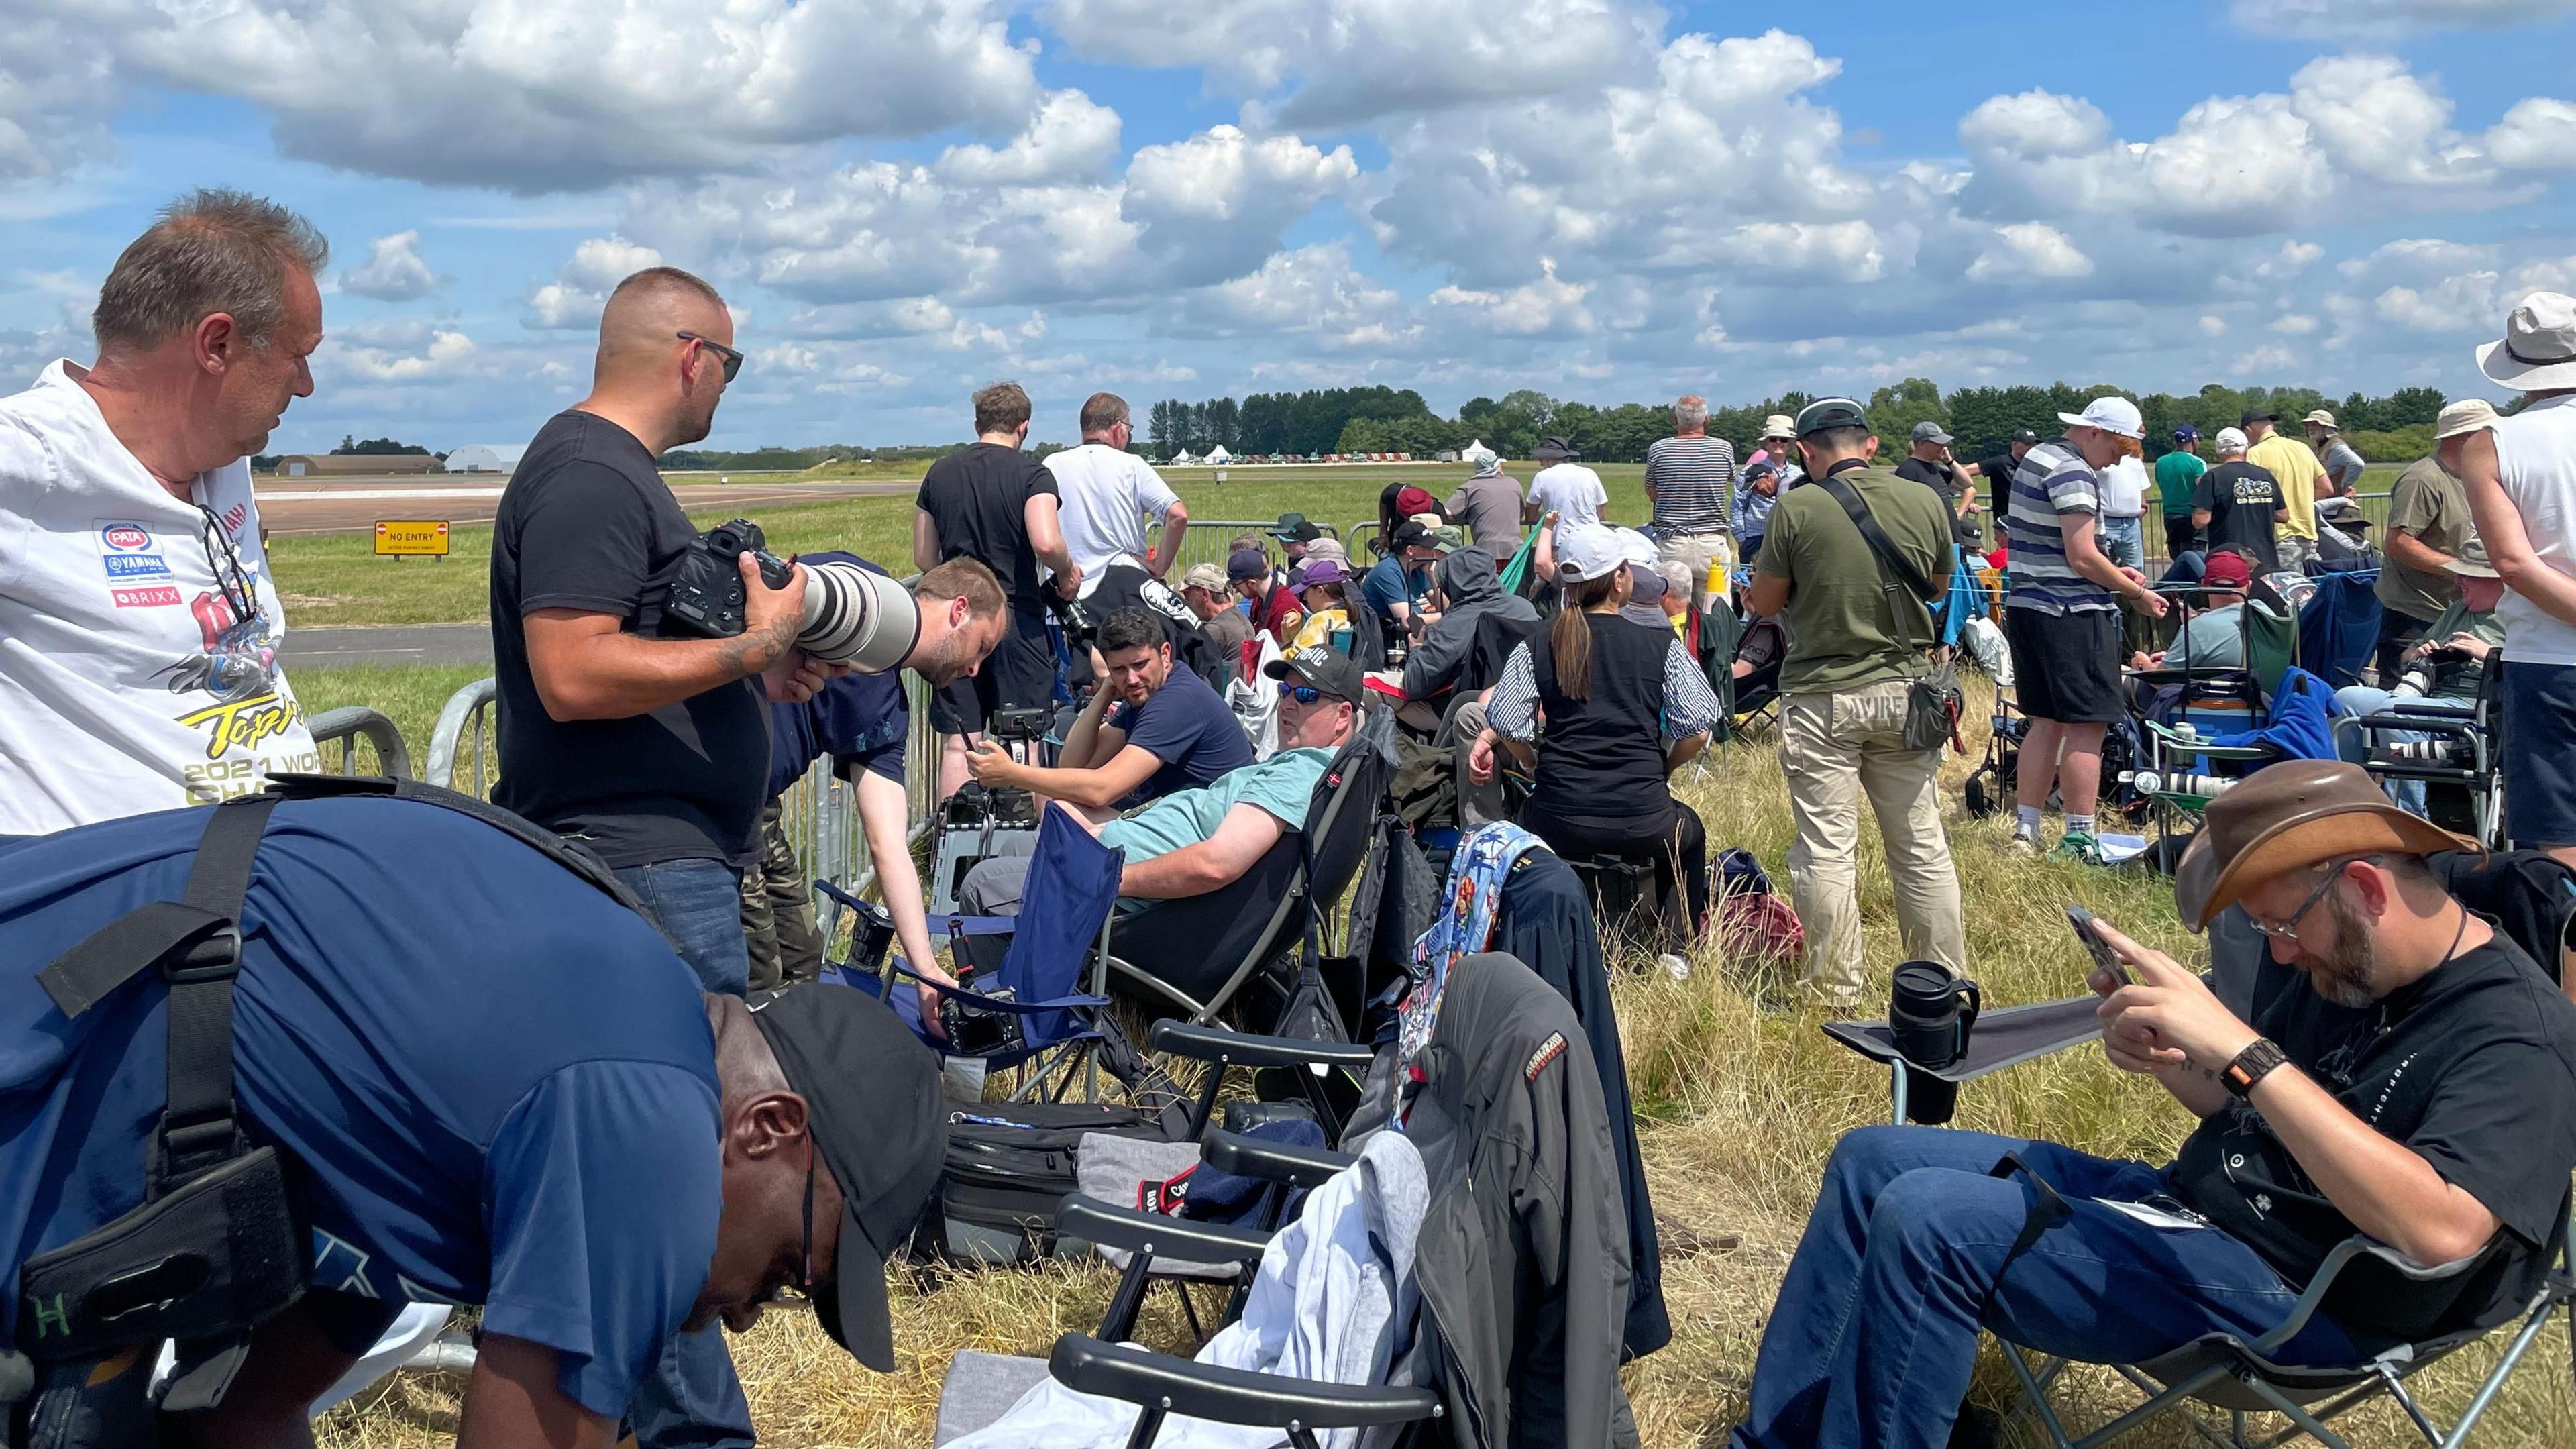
{"x":1010,"y":1164}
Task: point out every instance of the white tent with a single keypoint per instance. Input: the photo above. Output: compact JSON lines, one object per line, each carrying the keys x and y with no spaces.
{"x":486,"y":458}
{"x":1182,"y":459}
{"x":1218,"y":457}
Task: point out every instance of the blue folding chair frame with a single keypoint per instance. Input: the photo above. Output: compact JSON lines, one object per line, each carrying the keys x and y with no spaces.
{"x":1067,"y":909}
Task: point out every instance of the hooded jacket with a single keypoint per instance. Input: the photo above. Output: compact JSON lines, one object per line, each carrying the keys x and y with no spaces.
{"x":1523,"y":1257}
{"x":1468,"y":581}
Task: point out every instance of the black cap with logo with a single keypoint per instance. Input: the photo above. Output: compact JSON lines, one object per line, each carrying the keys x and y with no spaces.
{"x":1830,"y":412}
{"x":873,"y":1105}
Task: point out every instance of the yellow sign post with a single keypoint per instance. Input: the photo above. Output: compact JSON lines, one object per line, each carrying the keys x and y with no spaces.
{"x":411,"y":538}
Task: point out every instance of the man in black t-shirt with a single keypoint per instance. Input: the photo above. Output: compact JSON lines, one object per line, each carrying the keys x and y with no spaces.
{"x":1999,"y":469}
{"x":2418,"y":1086}
{"x":1927,"y":461}
{"x":993,"y":502}
{"x":2240,"y":503}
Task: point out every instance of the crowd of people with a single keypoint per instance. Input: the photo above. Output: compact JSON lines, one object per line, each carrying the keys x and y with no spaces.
{"x":615,"y":1176}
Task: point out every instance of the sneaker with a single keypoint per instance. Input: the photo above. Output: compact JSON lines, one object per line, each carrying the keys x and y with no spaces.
{"x":2079,"y":847}
{"x":1674,"y":966}
{"x":2022,"y":844}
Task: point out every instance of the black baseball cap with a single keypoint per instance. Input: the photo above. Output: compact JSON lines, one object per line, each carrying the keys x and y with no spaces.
{"x":1293,"y":528}
{"x":2257,"y":415}
{"x":873,"y":1105}
{"x":1830,"y":412}
{"x":1331,"y":672}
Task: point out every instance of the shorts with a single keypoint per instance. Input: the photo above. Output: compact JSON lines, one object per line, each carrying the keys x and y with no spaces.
{"x":2066,"y":667}
{"x":2539,"y":749}
{"x":1020,"y":673}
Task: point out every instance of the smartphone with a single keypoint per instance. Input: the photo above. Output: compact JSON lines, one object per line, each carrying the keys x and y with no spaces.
{"x":2100,"y":950}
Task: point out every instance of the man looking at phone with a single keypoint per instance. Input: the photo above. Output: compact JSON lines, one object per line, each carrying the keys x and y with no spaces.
{"x":2419,"y":1086}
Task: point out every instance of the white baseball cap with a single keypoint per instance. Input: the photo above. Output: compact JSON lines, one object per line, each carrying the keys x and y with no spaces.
{"x":1588,"y":551}
{"x":2468,"y":415}
{"x":2538,"y":349}
{"x":2231,"y":440}
{"x":2113,"y":414}
{"x":1641,"y":551}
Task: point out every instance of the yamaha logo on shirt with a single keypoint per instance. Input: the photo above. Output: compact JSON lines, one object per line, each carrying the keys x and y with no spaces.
{"x":125,"y":551}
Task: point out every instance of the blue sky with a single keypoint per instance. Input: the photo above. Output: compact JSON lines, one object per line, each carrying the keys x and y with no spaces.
{"x":1597,"y":198}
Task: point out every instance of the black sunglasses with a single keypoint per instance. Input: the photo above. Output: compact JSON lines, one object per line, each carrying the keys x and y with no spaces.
{"x":732,"y":359}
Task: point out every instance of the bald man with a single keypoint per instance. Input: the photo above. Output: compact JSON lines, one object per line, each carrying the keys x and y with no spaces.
{"x":651,"y":750}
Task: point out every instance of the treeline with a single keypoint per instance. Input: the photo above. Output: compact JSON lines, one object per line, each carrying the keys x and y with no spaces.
{"x":2394,"y":428}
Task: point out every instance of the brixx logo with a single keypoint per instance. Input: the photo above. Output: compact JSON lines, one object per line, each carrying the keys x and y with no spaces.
{"x":152,"y":597}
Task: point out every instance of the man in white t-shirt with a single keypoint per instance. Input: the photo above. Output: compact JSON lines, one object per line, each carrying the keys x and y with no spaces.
{"x":2521,"y":477}
{"x":1105,"y":494}
{"x":139,"y":626}
{"x":1565,"y":487}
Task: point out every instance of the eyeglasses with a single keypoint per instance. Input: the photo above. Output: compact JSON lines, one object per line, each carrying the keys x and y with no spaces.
{"x":1302,"y":693}
{"x":2289,"y":930}
{"x":732,"y":359}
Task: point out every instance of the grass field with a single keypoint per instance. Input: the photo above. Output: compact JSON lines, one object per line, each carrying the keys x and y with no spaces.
{"x":1737,"y":1110}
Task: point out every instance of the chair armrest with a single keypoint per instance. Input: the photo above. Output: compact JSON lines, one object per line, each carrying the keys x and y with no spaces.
{"x":1233,"y":1048}
{"x":2341,"y":1257}
{"x":948,"y":925}
{"x":1229,"y":1396}
{"x":979,"y":1000}
{"x":1277,"y":1162}
{"x":1157,"y":1235}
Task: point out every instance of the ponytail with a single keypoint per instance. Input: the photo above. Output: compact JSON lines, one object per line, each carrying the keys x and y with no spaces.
{"x":1570,"y":637}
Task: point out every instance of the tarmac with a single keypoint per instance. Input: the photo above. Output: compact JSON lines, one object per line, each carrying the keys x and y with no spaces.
{"x":293,"y":506}
{"x":331,"y":647}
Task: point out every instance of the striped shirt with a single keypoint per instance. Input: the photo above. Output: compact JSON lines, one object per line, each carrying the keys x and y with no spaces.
{"x":1693,"y":480}
{"x":2053,"y":481}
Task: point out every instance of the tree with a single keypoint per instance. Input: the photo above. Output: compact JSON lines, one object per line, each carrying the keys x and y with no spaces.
{"x":379,"y":448}
{"x":1894,"y":410}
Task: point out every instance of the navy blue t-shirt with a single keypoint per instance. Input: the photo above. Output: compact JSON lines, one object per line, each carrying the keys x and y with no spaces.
{"x":496,"y":1084}
{"x":858,"y":719}
{"x":1187,"y":726}
{"x":1390,"y":583}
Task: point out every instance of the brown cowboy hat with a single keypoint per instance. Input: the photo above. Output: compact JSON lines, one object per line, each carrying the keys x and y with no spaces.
{"x":2290,"y":816}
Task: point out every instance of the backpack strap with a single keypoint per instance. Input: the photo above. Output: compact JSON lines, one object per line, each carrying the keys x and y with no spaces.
{"x":195,"y":942}
{"x":1891,"y":562}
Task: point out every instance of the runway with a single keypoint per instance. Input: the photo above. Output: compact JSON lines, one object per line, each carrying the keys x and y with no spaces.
{"x":291,"y":506}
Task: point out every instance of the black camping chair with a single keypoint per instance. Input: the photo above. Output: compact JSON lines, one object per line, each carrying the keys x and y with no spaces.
{"x":2458,"y":759}
{"x":1196,"y":957}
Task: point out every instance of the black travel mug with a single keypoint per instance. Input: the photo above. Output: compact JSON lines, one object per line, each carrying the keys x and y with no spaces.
{"x":1930,"y":1012}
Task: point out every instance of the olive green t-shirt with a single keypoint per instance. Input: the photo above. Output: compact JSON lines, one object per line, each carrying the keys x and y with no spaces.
{"x":2433,"y":506}
{"x":1843,"y":628}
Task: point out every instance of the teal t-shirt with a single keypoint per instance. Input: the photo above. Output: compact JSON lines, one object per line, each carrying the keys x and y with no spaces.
{"x":2177,"y":477}
{"x":1282,"y":785}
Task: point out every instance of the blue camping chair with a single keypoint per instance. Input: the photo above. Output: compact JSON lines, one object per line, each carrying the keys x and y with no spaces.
{"x":2339,"y":625}
{"x":1066,"y":911}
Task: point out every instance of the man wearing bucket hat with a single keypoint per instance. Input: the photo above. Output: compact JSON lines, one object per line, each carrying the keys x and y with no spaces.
{"x":2062,"y":617}
{"x":2520,"y":473}
{"x":2419,"y":1086}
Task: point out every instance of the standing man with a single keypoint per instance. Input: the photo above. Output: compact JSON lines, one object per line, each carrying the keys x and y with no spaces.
{"x":2177,"y":484}
{"x":996,"y":504}
{"x":1690,"y":478}
{"x":2343,"y":466}
{"x":1565,"y":487}
{"x":1927,"y":461}
{"x":1842,"y":731}
{"x":1490,"y":505}
{"x":2062,"y":618}
{"x":2521,"y":478}
{"x":1105,"y":493}
{"x":2239,"y":503}
{"x":2428,"y":523}
{"x":2302,"y":481}
{"x":139,"y":625}
{"x":1998,"y":472}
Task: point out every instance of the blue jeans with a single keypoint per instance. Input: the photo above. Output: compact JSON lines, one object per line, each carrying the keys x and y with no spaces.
{"x":1904,"y":1261}
{"x":692,"y":1397}
{"x":2361,"y":699}
{"x":698,"y":904}
{"x":2123,"y":543}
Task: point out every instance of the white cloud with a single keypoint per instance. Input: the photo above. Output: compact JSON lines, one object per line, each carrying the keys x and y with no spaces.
{"x":2468,"y":302}
{"x":581,"y":286}
{"x":2212,"y":325}
{"x":1070,"y":138}
{"x":398,"y":353}
{"x":57,"y":90}
{"x":2341,"y":19}
{"x":394,"y":271}
{"x":2269,"y":360}
{"x":1311,"y":290}
{"x":1547,"y":307}
{"x":2029,"y":249}
{"x":2538,"y":134}
{"x":1842,"y":250}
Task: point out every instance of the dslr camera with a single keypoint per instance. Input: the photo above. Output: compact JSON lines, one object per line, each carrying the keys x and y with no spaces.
{"x":976,"y":1031}
{"x":2419,"y":676}
{"x":2445,"y":750}
{"x":853,"y":616}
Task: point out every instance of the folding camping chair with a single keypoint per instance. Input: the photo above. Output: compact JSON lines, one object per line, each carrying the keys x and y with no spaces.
{"x":2207,"y":703}
{"x":1753,"y":699}
{"x":1066,"y":914}
{"x":2462,"y":772}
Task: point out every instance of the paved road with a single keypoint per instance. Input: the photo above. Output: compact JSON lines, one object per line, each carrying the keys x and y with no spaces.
{"x":390,"y":644}
{"x":352,"y":505}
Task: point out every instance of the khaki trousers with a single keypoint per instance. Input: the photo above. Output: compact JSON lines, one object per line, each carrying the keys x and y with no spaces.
{"x":1835,"y":748}
{"x":1699,"y":552}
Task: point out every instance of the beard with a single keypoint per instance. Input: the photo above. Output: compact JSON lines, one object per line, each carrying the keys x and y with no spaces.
{"x":2347,"y":975}
{"x":943,"y":663}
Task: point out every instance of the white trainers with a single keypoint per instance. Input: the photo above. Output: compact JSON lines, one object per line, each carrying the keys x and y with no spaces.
{"x":1674,"y":966}
{"x":2022,"y":844}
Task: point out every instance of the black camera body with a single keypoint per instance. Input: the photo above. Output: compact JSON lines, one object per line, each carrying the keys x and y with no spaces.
{"x":1023,"y":724}
{"x":976,"y":803}
{"x":707,"y":596}
{"x":976,"y":1032}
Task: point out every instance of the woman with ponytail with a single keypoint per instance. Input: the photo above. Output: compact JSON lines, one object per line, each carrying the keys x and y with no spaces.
{"x":1604,"y":709}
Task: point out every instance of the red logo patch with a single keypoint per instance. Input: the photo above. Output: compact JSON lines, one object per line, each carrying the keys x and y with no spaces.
{"x":1548,"y":1051}
{"x":126,"y":537}
{"x":151,"y":598}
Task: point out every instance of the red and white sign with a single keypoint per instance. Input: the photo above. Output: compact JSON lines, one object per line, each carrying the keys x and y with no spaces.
{"x":156,"y":597}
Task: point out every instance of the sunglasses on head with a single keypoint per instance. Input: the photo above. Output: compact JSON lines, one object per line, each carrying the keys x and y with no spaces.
{"x":732,"y":359}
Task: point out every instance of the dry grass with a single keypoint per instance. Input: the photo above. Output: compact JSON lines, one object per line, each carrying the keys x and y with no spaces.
{"x":1739,"y":1109}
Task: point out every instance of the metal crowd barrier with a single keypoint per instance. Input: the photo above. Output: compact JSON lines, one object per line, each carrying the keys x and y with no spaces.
{"x":1207,"y":539}
{"x":470,"y":708}
{"x":350,"y":724}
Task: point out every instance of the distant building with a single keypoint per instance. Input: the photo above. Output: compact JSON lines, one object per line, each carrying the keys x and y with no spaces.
{"x":486,"y":458}
{"x":355,"y":465}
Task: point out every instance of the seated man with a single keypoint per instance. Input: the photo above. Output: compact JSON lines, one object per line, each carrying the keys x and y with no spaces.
{"x":1148,"y":730}
{"x":1274,"y":604}
{"x":2213,"y":638}
{"x":517,"y":1097}
{"x":2443,"y":670}
{"x":2423,"y":1093}
{"x":1397,"y":584}
{"x":1196,"y":841}
{"x":1470,"y":589}
{"x":1220,"y":614}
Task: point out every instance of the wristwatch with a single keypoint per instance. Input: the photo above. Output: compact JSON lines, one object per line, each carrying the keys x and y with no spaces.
{"x":2252,"y":1065}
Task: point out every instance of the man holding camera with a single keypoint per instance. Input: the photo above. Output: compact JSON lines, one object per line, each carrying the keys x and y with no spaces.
{"x":993,"y":502}
{"x":2442,"y":670}
{"x":1148,"y":730}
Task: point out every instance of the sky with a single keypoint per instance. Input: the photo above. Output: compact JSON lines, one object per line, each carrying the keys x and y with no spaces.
{"x":1604,"y":200}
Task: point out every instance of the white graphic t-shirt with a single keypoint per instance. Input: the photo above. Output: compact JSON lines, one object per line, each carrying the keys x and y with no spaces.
{"x":138,"y":633}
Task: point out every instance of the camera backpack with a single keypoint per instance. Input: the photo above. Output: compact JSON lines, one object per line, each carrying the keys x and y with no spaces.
{"x":1010,"y":1165}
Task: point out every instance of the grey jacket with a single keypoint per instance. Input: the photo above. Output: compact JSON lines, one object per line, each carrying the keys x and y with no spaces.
{"x":1523,"y":1258}
{"x":1467,"y":579}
